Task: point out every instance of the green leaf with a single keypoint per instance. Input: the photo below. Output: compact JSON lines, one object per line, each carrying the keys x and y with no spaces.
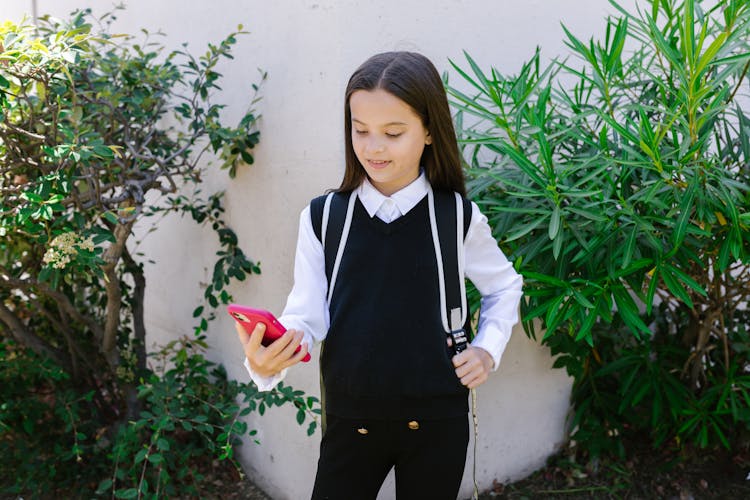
{"x":557,"y":245}
{"x":628,"y":310}
{"x":709,"y":54}
{"x":674,"y":286}
{"x":738,"y":58}
{"x":554,"y":223}
{"x":32,"y":197}
{"x":652,"y":286}
{"x":129,"y":493}
{"x":111,"y":217}
{"x":685,"y":278}
{"x":523,"y":230}
{"x":627,"y":253}
{"x":584,"y":333}
{"x":544,"y":278}
{"x":686,"y":206}
{"x":103,"y":151}
{"x":524,"y":163}
{"x":104,"y":485}
{"x":688,"y":32}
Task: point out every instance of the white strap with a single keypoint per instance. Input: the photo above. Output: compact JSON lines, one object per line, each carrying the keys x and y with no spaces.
{"x":460,"y":258}
{"x":342,"y":244}
{"x":457,"y":315}
{"x":438,"y":257}
{"x":326,"y":213}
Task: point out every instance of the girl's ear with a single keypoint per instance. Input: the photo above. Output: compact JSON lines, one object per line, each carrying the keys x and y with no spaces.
{"x":428,"y":139}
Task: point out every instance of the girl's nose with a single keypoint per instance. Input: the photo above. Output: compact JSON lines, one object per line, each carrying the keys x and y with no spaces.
{"x":376,"y":147}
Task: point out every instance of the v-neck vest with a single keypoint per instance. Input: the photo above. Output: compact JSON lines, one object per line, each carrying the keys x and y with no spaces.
{"x":385,"y":354}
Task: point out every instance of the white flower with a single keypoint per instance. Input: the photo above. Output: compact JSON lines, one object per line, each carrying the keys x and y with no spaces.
{"x":64,"y":247}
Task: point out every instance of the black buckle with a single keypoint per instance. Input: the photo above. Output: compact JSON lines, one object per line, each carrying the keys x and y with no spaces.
{"x":460,"y":342}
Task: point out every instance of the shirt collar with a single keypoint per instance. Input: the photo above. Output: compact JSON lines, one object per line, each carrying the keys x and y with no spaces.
{"x":405,"y":199}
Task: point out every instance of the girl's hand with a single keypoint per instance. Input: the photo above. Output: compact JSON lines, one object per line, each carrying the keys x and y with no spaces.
{"x":268,"y":361}
{"x":473,"y":366}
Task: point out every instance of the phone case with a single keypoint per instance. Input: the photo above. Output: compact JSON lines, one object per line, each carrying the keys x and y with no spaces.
{"x":248,"y":317}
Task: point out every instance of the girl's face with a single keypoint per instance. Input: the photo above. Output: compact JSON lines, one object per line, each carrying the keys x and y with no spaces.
{"x":388,"y":138}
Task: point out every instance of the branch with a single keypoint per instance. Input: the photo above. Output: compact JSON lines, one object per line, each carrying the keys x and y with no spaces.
{"x":139,"y":292}
{"x":29,"y":339}
{"x":59,"y":297}
{"x":21,"y":131}
{"x":111,"y":257}
{"x":739,"y":82}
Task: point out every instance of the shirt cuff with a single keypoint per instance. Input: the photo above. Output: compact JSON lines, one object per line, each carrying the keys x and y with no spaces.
{"x":494,"y":343}
{"x":264,"y":383}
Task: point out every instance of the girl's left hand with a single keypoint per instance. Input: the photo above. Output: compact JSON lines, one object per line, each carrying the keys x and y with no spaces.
{"x":473,"y":366}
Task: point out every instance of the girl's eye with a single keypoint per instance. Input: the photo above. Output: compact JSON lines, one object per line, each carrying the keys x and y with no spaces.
{"x":391,"y":135}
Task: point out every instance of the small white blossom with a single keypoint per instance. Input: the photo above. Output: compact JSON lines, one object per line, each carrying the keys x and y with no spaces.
{"x":64,"y":247}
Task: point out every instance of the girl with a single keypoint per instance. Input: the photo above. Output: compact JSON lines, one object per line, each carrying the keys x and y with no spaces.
{"x":395,"y":392}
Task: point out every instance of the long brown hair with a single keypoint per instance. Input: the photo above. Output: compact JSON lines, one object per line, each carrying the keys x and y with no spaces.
{"x":412,"y":78}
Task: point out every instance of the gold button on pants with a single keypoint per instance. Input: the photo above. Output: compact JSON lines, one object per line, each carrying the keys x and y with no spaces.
{"x":413,"y":425}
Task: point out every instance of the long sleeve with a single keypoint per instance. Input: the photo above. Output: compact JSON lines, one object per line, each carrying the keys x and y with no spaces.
{"x":306,"y":308}
{"x":498,"y":283}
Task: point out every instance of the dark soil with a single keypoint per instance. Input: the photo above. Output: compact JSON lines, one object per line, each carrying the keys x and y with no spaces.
{"x":646,"y":473}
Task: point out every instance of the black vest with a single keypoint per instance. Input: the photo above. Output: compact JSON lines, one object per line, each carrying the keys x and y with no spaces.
{"x":385,"y":354}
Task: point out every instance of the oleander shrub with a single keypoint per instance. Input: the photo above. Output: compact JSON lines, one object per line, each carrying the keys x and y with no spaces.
{"x":617,"y":181}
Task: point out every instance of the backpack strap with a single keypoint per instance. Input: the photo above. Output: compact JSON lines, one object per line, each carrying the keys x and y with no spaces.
{"x":450,"y":216}
{"x":331,"y":219}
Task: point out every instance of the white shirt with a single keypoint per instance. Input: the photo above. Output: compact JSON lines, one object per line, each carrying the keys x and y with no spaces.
{"x":484,"y":264}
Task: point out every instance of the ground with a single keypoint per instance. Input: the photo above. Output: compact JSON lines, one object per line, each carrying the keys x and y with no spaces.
{"x":646,"y":473}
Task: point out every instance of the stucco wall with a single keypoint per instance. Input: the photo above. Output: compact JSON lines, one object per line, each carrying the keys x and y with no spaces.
{"x":309,"y":48}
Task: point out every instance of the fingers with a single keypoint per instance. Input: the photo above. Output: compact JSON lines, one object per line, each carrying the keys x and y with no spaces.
{"x":297,"y":357}
{"x":471,"y":368}
{"x":292,"y":340}
{"x":271,"y":359}
{"x":284,"y":346}
{"x":465,"y":363}
{"x":475,"y":379}
{"x":251,"y":343}
{"x":256,"y":337}
{"x":241,"y":333}
{"x":267,"y":361}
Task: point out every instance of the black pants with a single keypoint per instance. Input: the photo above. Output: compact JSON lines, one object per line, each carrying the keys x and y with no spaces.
{"x":356,"y":455}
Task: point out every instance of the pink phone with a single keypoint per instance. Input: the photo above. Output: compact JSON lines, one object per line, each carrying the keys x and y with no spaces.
{"x":248,"y":317}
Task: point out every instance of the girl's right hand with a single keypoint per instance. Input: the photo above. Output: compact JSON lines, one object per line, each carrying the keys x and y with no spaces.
{"x":270,"y":360}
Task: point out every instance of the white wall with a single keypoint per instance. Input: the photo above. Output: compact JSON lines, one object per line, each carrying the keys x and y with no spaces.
{"x":309,"y":49}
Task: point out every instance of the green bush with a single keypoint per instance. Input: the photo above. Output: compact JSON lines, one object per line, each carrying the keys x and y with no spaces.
{"x":97,"y":132}
{"x":55,"y":441}
{"x":617,"y":181}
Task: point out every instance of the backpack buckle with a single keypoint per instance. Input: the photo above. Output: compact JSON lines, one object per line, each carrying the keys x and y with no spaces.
{"x":459,"y":340}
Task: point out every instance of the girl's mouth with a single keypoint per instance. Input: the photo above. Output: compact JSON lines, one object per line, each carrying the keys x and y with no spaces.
{"x":378,"y":164}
